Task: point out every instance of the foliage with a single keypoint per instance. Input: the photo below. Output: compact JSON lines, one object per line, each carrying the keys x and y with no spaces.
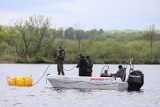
{"x":34,"y":41}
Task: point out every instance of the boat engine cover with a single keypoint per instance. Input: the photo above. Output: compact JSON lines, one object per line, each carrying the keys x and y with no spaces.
{"x":135,"y":80}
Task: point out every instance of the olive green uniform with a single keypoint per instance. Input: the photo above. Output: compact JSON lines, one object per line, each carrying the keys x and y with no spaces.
{"x":89,"y":66}
{"x":119,"y":73}
{"x":60,"y":59}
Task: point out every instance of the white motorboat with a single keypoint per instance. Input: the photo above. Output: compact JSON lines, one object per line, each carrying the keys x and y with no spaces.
{"x":76,"y":82}
{"x":134,"y":81}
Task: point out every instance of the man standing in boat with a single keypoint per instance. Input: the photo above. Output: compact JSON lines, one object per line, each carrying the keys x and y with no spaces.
{"x":82,"y":65}
{"x":89,"y":66}
{"x":60,"y":58}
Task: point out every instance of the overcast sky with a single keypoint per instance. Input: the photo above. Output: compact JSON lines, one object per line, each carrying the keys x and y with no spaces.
{"x":88,"y":14}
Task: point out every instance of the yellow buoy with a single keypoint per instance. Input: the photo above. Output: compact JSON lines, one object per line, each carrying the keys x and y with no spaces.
{"x":12,"y":81}
{"x":28,"y":81}
{"x":19,"y":81}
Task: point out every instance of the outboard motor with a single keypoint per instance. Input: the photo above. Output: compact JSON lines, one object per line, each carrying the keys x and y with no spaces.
{"x":135,"y":80}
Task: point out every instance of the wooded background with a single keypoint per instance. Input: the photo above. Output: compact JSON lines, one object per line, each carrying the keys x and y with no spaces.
{"x":33,"y":40}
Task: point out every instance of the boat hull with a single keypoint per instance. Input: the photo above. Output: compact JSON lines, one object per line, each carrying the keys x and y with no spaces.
{"x":76,"y":82}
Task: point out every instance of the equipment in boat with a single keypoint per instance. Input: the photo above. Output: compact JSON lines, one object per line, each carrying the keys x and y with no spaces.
{"x":105,"y":73}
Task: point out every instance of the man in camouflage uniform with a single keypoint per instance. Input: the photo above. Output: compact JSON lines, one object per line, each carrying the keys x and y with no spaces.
{"x":120,"y":72}
{"x":60,"y":58}
{"x":82,"y":65}
{"x":89,"y":66}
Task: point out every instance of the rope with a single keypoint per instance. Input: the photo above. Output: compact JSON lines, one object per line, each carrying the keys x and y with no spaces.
{"x":46,"y":71}
{"x":42,"y":75}
{"x":70,"y":69}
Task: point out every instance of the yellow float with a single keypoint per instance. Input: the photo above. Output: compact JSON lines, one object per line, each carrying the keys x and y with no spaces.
{"x":20,"y":81}
{"x":28,"y":81}
{"x":12,"y":81}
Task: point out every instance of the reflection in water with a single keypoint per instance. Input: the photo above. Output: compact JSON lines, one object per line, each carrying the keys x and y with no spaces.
{"x":85,"y":90}
{"x":140,"y":91}
{"x":62,"y":90}
{"x":58,"y":90}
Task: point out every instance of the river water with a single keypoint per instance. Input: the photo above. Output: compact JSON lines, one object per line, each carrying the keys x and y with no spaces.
{"x":43,"y":95}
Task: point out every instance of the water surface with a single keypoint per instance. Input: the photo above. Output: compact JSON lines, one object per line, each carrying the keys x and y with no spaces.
{"x":43,"y":95}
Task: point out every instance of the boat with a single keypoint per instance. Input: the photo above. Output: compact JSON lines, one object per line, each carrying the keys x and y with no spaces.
{"x":77,"y":82}
{"x":134,"y":82}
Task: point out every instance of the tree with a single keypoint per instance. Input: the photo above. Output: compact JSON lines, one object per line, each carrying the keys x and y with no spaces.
{"x":3,"y":39}
{"x":31,"y":35}
{"x":69,"y":33}
{"x":23,"y":38}
{"x":60,"y":34}
{"x":78,"y":35}
{"x":150,"y":34}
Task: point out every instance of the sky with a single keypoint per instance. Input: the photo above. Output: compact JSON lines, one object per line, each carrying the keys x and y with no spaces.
{"x":85,"y":14}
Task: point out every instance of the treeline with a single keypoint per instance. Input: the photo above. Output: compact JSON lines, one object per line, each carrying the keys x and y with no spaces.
{"x":34,"y":41}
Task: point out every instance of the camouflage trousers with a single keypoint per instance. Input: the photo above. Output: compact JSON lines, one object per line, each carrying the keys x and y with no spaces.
{"x":60,"y":67}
